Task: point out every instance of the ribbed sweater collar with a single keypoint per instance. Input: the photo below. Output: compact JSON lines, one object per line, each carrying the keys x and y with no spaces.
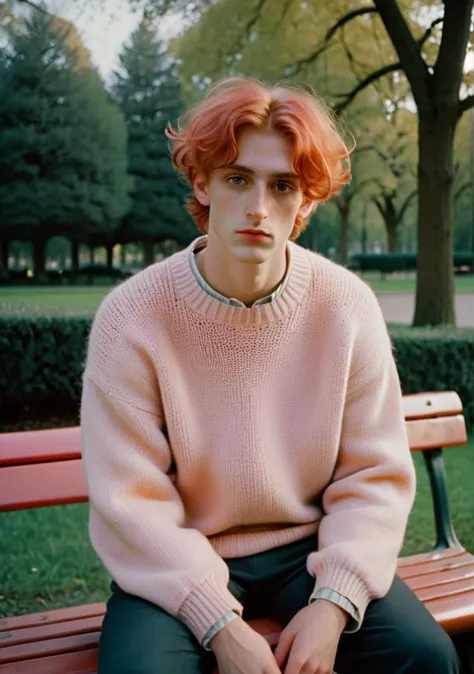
{"x":206,"y":305}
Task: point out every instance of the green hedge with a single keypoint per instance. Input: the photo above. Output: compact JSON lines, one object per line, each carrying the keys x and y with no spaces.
{"x":387,"y":263}
{"x":42,"y":363}
{"x":43,"y":358}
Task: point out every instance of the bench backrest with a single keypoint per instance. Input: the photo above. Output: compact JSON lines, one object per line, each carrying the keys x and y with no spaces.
{"x":43,"y":468}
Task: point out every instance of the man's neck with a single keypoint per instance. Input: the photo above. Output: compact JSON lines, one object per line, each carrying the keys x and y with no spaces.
{"x":232,"y":278}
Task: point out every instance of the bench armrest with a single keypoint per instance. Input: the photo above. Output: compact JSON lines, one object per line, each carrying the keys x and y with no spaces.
{"x":445,"y":535}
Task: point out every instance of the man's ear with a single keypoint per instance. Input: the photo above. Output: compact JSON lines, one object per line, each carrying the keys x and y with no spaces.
{"x":201,"y":191}
{"x":307,"y":207}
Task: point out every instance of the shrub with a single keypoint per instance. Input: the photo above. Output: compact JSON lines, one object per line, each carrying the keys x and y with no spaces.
{"x":388,"y":263}
{"x":42,"y":362}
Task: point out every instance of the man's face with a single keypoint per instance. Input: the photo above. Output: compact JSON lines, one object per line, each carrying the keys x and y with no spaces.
{"x":254,"y":202}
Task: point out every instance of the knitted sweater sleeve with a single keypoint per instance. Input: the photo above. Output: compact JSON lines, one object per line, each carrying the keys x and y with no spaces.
{"x":137,"y":519}
{"x":368,"y":501}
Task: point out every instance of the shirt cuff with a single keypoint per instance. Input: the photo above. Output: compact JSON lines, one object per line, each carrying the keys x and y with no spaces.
{"x":338,"y":599}
{"x":220,"y":624}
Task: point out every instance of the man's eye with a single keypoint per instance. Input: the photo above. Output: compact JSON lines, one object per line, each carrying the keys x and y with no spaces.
{"x":283,"y":187}
{"x":236,"y":180}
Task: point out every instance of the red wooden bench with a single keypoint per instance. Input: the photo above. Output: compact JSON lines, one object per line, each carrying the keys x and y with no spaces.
{"x":40,"y":468}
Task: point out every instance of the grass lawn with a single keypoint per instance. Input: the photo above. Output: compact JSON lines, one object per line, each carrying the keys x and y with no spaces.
{"x":79,"y":299}
{"x":63,"y":299}
{"x":46,"y":560}
{"x":464,"y":284}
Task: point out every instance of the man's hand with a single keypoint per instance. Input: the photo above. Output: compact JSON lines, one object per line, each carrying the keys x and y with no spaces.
{"x":309,"y":642}
{"x":240,"y":650}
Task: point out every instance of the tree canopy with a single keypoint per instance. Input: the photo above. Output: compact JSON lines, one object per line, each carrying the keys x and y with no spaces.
{"x":62,"y":142}
{"x":148,"y":91}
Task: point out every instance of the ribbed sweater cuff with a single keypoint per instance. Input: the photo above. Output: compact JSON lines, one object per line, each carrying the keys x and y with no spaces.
{"x":346,"y":583}
{"x":205,"y":605}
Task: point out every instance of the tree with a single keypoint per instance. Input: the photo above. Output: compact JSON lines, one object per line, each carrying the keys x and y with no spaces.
{"x":391,"y":137}
{"x":430,"y":54}
{"x":435,"y":81}
{"x":149,"y":95}
{"x":344,"y":203}
{"x":62,"y":142}
{"x":436,"y":92}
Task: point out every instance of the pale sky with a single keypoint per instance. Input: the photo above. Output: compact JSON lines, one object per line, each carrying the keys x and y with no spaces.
{"x":103,"y":30}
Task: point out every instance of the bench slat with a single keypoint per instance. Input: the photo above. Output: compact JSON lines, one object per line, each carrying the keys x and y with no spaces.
{"x":42,"y":485}
{"x":437,"y":565}
{"x":38,"y":649}
{"x":455,"y":615}
{"x":457,"y":589}
{"x":44,"y":646}
{"x":438,"y":578}
{"x":50,"y":631}
{"x":448,"y":554}
{"x":40,"y":446}
{"x":431,"y":404}
{"x":82,"y":662}
{"x":57,"y":615}
{"x":435,"y":433}
{"x":52,"y":444}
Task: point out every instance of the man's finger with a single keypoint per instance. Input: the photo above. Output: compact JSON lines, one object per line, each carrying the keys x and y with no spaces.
{"x":294,"y":665}
{"x":283,"y":648}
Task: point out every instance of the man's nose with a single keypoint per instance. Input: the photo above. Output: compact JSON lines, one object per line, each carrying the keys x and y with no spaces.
{"x":257,"y":206}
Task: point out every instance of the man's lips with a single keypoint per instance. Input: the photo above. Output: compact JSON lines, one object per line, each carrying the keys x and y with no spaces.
{"x":254,"y":232}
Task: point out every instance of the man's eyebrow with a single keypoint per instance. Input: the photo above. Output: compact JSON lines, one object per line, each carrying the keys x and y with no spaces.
{"x":274,"y":174}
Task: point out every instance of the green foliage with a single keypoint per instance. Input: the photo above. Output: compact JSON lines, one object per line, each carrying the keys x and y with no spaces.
{"x":62,"y":140}
{"x":44,"y":359}
{"x":149,"y":95}
{"x":322,"y":233}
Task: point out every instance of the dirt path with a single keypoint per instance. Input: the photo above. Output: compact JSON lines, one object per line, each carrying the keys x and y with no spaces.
{"x":400,"y":309}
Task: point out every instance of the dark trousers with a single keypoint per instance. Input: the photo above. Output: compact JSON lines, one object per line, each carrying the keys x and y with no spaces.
{"x":398,"y":634}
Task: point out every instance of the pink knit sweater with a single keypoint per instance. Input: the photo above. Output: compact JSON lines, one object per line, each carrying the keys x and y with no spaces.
{"x":211,"y":431}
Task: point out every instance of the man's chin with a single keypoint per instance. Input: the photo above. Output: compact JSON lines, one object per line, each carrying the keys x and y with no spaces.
{"x":251,"y":254}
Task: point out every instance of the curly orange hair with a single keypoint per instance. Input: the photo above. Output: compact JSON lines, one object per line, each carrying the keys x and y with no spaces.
{"x":207,"y":138}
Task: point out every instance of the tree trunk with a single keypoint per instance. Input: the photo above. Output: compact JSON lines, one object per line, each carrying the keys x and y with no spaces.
{"x":123,"y":253}
{"x":344,"y":234}
{"x":148,"y":252}
{"x":472,"y":177}
{"x":74,"y":255}
{"x":363,"y":239}
{"x":39,"y":249}
{"x":391,"y":228}
{"x":3,"y":256}
{"x":364,"y":232}
{"x":109,"y":249}
{"x":435,"y":274}
{"x":92,"y":250}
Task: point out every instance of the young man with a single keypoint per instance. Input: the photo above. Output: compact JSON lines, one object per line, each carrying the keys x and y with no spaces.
{"x":243,"y":434}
